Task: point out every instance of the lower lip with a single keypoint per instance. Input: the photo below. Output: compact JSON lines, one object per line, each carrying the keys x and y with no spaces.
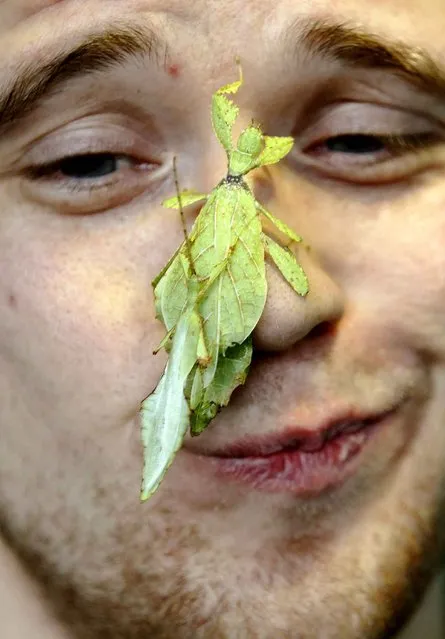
{"x":304,"y":474}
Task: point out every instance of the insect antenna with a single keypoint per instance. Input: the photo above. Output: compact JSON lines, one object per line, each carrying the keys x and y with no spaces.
{"x":181,"y":213}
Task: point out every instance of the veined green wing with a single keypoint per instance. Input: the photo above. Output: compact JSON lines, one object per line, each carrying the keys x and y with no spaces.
{"x":165,"y":414}
{"x":233,"y":305}
{"x":230,"y":373}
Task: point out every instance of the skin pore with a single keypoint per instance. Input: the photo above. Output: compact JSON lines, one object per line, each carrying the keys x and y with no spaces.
{"x":131,"y":81}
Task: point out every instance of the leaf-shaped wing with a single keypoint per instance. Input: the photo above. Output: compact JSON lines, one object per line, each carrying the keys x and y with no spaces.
{"x":275,"y":149}
{"x":234,"y":303}
{"x":209,"y":243}
{"x":187,"y":197}
{"x":211,"y":236}
{"x":226,"y":240}
{"x":174,"y":275}
{"x":171,"y":290}
{"x":164,"y":270}
{"x":230,"y":373}
{"x":196,"y":387}
{"x":165,"y":415}
{"x":287,"y":263}
{"x":241,"y":287}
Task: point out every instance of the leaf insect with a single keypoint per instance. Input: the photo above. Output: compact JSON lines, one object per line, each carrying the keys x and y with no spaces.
{"x":212,"y":292}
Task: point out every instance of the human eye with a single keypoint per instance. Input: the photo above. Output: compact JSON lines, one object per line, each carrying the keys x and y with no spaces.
{"x":91,"y":169}
{"x":367,"y":144}
{"x":85,"y":168}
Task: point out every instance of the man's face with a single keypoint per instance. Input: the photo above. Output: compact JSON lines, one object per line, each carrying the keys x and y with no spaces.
{"x":211,"y":555}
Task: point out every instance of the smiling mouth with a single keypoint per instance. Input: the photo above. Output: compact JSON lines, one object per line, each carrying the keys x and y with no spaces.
{"x":303,"y":462}
{"x":298,"y":439}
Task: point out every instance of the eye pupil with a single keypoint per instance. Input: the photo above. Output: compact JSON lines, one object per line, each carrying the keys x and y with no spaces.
{"x":89,"y":166}
{"x":355,"y":144}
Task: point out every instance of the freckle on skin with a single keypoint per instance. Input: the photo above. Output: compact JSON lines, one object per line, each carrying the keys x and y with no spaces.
{"x":12,"y":301}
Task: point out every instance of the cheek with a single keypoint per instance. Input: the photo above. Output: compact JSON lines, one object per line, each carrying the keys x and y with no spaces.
{"x":81,"y":325}
{"x":404,"y":280}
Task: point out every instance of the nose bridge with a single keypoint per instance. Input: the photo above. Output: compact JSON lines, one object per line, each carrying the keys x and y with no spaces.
{"x":214,"y":164}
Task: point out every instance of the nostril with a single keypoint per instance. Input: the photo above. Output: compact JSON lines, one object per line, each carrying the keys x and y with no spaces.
{"x":321,"y":330}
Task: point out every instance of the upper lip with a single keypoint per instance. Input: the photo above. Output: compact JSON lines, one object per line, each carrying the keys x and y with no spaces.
{"x":294,"y":438}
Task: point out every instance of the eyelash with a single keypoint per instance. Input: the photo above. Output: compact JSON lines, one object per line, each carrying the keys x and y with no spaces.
{"x":394,"y":156}
{"x":396,"y":144}
{"x":102,"y":191}
{"x":48,"y":171}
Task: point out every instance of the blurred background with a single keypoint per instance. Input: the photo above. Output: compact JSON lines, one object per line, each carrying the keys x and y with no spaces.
{"x":429,"y":621}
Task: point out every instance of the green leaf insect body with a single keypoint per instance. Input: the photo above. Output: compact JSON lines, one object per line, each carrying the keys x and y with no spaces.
{"x":212,"y":293}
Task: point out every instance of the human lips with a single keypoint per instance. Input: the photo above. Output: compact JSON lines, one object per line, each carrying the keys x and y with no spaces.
{"x":299,"y":460}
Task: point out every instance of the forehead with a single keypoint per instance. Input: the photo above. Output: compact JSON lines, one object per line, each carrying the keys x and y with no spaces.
{"x":222,"y":25}
{"x":15,"y":12}
{"x":18,"y":10}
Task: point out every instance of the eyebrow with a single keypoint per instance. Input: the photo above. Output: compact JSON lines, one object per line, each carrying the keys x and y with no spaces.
{"x":357,"y":48}
{"x":339,"y":42}
{"x":38,"y":80}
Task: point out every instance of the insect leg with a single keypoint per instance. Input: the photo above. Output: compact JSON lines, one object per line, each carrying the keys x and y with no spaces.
{"x":281,"y":226}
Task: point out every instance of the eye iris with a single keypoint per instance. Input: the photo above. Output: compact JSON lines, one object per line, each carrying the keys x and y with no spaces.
{"x":355,"y":144}
{"x":89,"y":166}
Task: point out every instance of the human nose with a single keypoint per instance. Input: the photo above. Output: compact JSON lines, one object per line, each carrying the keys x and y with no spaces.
{"x":288,"y":317}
